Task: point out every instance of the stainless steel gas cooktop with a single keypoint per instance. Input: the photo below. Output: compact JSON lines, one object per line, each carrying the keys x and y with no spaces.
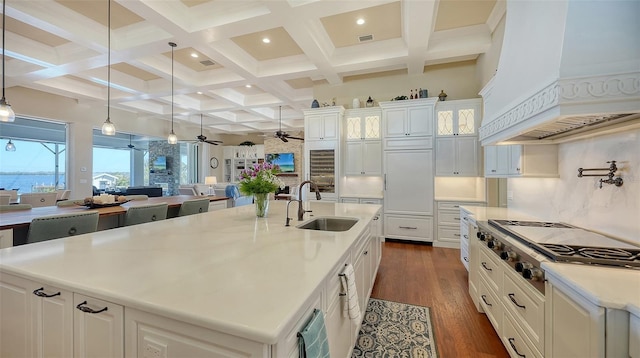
{"x":566,"y":243}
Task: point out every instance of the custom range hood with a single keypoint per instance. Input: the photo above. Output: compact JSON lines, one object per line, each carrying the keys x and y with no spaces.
{"x":568,"y":69}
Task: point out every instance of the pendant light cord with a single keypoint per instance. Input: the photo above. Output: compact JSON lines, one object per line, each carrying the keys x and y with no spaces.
{"x":172,"y":47}
{"x":4,"y":12}
{"x":108,"y":63}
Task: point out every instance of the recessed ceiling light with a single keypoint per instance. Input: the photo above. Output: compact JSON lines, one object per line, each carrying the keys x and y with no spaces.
{"x":199,"y":92}
{"x":194,"y":55}
{"x":248,"y":85}
{"x":360,"y":21}
{"x":266,"y":40}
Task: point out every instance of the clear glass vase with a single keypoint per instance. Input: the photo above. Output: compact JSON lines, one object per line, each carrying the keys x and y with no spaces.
{"x":261,"y":201}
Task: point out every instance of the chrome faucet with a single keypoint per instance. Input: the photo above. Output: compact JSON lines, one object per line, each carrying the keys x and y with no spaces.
{"x":301,"y":211}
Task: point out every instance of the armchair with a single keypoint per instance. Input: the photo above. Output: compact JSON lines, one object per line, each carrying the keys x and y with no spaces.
{"x":237,"y":199}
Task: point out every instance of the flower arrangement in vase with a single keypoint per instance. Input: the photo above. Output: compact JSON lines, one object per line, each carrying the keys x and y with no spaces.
{"x":259,"y":181}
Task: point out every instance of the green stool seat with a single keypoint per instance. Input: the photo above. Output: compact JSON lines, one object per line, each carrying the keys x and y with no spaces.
{"x":145,"y":213}
{"x":194,"y":206}
{"x":14,"y":207}
{"x":57,"y":226}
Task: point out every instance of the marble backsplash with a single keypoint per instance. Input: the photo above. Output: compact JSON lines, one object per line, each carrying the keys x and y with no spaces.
{"x":579,"y":201}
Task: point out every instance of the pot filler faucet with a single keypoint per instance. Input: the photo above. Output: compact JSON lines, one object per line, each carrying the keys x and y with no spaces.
{"x":301,"y":211}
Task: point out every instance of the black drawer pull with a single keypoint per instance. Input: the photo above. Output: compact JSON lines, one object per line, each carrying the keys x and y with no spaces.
{"x":456,"y":219}
{"x":466,"y":237}
{"x":513,"y":346}
{"x":484,"y":264}
{"x":466,"y":259}
{"x":484,"y":298}
{"x":40,"y":293}
{"x":88,"y":309}
{"x":513,"y":299}
{"x":409,"y":227}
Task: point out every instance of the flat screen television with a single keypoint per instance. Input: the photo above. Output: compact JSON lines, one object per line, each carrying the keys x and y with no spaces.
{"x":160,"y":163}
{"x":284,"y":160}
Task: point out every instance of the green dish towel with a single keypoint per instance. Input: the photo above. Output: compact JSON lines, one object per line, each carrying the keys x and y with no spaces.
{"x":312,"y":339}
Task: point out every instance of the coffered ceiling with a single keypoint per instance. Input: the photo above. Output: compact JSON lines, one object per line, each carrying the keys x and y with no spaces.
{"x":222,"y":67}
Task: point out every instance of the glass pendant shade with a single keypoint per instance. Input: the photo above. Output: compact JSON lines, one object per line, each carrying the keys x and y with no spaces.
{"x":6,"y":113}
{"x":172,"y":139}
{"x":10,"y":147}
{"x":108,"y":128}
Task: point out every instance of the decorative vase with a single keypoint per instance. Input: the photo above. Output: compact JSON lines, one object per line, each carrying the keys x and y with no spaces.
{"x":355,"y":103}
{"x":261,"y":200}
{"x":315,"y":104}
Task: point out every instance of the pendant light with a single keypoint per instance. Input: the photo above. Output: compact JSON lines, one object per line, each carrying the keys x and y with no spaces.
{"x":6,"y":113}
{"x":10,"y":147}
{"x":107,"y":127}
{"x":172,"y":139}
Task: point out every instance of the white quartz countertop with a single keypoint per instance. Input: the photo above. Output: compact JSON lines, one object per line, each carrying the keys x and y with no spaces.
{"x":363,"y":196}
{"x":225,"y":270}
{"x":451,"y":198}
{"x":616,"y":288}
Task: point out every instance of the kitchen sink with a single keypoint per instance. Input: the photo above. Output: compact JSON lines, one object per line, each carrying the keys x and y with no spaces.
{"x":331,"y":223}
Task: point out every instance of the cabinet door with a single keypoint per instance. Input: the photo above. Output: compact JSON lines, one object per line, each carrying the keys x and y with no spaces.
{"x":16,"y":334}
{"x":574,"y":327}
{"x":53,"y":322}
{"x":394,"y":123}
{"x":420,"y":121}
{"x":445,"y":156}
{"x":353,"y":158}
{"x":515,"y":160}
{"x":503,"y":160}
{"x":329,"y":127}
{"x":466,"y":121}
{"x":408,"y":182}
{"x":490,"y":160}
{"x":314,"y":127}
{"x":353,"y":130}
{"x":372,"y":157}
{"x":466,"y":156}
{"x":97,"y":334}
{"x":371,"y":127}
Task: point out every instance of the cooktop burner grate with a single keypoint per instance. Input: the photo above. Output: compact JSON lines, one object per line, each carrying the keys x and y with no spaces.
{"x":560,"y":249}
{"x":608,"y":254}
{"x":532,"y":223}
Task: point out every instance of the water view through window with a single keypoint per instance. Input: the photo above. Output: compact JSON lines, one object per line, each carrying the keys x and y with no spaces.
{"x":32,"y":166}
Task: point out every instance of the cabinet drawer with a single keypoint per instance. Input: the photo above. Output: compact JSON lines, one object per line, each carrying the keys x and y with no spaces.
{"x":464,"y":256}
{"x":515,"y":342}
{"x":408,"y":143}
{"x":371,"y":201}
{"x":490,"y":269}
{"x":410,"y":227}
{"x":448,"y":217}
{"x":490,"y":305}
{"x":448,"y":234}
{"x":526,"y":306}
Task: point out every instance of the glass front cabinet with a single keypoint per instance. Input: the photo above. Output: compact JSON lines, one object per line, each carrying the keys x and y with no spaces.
{"x":457,"y":146}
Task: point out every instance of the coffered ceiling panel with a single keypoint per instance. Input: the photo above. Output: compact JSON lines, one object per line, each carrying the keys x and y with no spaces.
{"x":60,"y":47}
{"x":378,"y":23}
{"x":280,"y":44}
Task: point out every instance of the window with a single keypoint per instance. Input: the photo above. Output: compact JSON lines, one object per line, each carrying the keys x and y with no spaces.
{"x":120,"y":161}
{"x":38,"y":162}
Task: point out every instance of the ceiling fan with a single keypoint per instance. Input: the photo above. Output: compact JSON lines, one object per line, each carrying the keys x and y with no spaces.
{"x":202,"y":138}
{"x":284,"y":136}
{"x":131,"y":146}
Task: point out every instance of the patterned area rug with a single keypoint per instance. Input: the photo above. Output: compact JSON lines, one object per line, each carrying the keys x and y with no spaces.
{"x":392,"y":329}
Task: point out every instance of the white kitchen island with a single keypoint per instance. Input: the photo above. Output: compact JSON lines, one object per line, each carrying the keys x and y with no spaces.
{"x":219,"y":284}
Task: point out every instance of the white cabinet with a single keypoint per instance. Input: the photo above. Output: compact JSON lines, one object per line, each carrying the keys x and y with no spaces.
{"x":408,"y":182}
{"x":43,"y":320}
{"x":457,"y":147}
{"x":407,"y":124}
{"x":238,"y":158}
{"x":363,"y":158}
{"x":98,"y":328}
{"x":577,"y":327}
{"x":322,"y":123}
{"x":521,"y":161}
{"x":450,"y":229}
{"x":469,"y":221}
{"x":363,"y":146}
{"x":634,"y":336}
{"x":36,"y":319}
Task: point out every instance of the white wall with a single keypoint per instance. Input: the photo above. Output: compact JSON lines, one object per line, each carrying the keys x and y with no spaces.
{"x":579,"y":201}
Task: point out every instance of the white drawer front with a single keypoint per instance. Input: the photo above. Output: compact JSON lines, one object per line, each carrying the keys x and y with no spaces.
{"x":464,"y":256}
{"x":449,"y":217}
{"x":527,"y":307}
{"x":371,"y":201}
{"x":491,"y":270}
{"x":410,"y":227}
{"x":408,"y":143}
{"x":449,"y":234}
{"x":514,"y":341}
{"x":490,"y":305}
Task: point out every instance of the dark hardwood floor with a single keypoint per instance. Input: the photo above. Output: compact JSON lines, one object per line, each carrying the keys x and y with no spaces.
{"x":435,"y":277}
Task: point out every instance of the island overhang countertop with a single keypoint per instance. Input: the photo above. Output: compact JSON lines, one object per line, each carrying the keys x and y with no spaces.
{"x":224,"y":270}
